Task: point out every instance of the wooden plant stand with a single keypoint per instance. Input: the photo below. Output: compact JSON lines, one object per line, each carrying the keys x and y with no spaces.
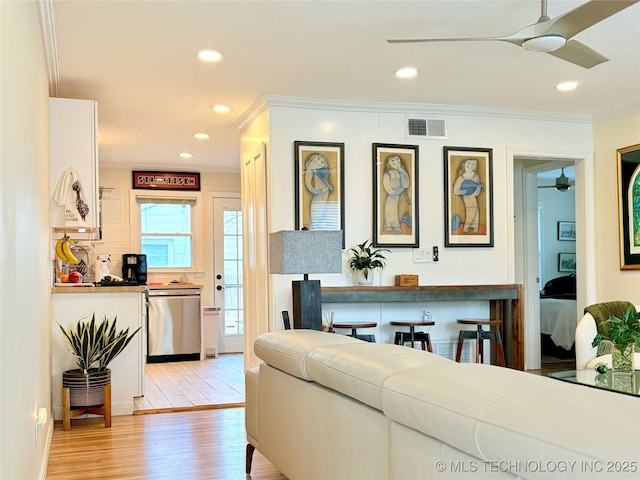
{"x":69,"y":412}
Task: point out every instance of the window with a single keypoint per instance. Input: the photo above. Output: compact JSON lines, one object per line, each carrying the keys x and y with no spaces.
{"x":167,"y":231}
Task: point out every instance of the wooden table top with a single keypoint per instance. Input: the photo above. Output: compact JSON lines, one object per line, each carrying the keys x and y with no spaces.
{"x":478,"y":321}
{"x":355,"y":325}
{"x":412,"y":323}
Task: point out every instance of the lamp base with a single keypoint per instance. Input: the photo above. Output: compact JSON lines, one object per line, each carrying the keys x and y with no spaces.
{"x":307,"y":304}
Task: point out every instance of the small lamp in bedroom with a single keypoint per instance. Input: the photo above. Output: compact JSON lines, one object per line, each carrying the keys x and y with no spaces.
{"x":305,"y":252}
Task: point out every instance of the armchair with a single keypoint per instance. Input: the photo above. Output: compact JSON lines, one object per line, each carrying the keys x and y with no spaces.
{"x":588,"y":328}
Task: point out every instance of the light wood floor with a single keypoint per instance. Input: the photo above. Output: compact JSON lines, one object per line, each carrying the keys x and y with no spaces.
{"x":193,"y":445}
{"x":176,"y":386}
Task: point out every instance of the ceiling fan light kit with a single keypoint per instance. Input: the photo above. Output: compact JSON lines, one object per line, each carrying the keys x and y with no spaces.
{"x":545,"y":43}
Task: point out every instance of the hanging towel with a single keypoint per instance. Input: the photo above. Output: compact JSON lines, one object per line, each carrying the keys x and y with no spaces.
{"x":68,"y":193}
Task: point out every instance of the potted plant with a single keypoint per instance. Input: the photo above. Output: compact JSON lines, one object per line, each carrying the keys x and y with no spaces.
{"x":94,"y":345}
{"x":364,"y":259}
{"x":624,"y":335}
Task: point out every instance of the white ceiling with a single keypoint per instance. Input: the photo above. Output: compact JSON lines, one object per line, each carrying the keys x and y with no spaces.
{"x":138,"y":60}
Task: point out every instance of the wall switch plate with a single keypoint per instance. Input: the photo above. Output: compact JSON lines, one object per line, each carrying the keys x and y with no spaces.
{"x":421,"y":255}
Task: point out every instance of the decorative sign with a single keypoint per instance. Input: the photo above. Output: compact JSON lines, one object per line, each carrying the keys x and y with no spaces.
{"x":166,"y":180}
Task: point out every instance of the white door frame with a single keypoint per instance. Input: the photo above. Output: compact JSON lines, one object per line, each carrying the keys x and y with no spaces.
{"x":212,"y":197}
{"x":585,"y":242}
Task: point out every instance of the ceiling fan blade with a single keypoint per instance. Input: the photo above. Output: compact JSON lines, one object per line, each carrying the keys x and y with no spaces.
{"x":584,"y":16}
{"x":579,"y":54}
{"x":425,"y":40}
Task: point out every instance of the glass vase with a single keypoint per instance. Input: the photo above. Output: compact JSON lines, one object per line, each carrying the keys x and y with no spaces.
{"x":622,"y":359}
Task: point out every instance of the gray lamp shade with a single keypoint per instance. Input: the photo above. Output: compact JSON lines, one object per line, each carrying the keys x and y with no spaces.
{"x":305,"y":251}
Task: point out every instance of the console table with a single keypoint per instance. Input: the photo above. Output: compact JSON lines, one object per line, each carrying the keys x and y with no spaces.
{"x":505,"y":302}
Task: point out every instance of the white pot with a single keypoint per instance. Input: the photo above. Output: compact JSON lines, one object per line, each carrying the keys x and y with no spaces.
{"x":361,"y":278}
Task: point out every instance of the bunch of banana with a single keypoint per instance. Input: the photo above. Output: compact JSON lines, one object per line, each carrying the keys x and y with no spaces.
{"x":63,"y":250}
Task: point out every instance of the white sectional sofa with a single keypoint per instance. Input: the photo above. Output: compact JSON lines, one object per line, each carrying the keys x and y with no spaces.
{"x":327,"y":406}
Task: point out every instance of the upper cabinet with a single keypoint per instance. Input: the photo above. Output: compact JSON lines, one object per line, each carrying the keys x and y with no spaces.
{"x":73,"y":164}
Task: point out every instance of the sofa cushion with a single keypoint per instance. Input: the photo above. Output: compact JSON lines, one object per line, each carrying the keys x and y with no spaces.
{"x":446,"y":402}
{"x":287,"y":350}
{"x":360,"y":370}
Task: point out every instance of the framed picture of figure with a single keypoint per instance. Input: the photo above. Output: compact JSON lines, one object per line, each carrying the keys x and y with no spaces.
{"x":468,"y":197}
{"x":395,"y":195}
{"x":629,"y":206}
{"x":319,"y":186}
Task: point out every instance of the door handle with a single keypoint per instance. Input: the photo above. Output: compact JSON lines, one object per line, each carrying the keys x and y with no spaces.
{"x":219,"y":287}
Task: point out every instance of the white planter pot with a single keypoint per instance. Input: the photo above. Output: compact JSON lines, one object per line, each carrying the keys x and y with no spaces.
{"x":360,"y":278}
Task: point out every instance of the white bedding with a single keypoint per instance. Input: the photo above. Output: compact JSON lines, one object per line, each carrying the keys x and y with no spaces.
{"x":558,"y":318}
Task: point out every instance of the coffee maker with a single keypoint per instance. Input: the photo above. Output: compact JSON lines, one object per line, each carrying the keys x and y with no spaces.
{"x":134,"y":268}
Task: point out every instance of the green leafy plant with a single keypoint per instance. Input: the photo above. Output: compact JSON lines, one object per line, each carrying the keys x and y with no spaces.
{"x":96,"y":343}
{"x":364,"y":258}
{"x":622,"y":332}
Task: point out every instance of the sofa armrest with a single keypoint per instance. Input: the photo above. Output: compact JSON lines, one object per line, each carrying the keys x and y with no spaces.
{"x":251,"y":380}
{"x":586,"y":330}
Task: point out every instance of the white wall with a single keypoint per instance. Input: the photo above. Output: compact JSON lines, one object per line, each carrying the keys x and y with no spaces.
{"x":557,"y":206}
{"x":609,"y":135}
{"x":25,"y":308}
{"x":359,"y":126}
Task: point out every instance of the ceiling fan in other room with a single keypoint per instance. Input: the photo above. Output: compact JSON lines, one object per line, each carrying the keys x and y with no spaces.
{"x":554,"y":35}
{"x":563,"y":183}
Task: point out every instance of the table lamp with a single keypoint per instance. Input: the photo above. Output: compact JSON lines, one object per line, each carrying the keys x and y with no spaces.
{"x":305,"y":252}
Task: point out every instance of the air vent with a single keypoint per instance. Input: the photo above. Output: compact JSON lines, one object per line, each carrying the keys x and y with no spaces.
{"x":428,"y":128}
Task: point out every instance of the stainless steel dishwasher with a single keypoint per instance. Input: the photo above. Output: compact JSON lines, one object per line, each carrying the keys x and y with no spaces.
{"x":174,"y":326}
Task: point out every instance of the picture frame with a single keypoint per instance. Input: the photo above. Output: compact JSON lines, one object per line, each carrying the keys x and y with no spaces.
{"x":567,"y":231}
{"x":468,"y":197}
{"x":396,"y":212}
{"x":628,"y":210}
{"x":567,"y":262}
{"x":319,"y":186}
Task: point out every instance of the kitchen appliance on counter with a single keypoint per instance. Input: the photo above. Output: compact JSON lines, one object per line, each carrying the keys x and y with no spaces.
{"x":134,"y":268}
{"x":174,"y":326}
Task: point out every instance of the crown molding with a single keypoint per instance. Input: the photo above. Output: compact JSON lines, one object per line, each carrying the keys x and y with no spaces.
{"x":418,"y":108}
{"x":48,"y":28}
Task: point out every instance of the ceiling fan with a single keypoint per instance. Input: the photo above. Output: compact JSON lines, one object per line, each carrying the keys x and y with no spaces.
{"x":563,"y":183}
{"x":553,"y":35}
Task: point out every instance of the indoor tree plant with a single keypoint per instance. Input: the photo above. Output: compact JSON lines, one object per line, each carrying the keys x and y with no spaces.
{"x":364,"y":259}
{"x":624,"y":334}
{"x":94,"y":345}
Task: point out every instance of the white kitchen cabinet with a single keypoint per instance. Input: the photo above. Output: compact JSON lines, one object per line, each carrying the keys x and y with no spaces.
{"x":70,"y":304}
{"x":73,"y":128}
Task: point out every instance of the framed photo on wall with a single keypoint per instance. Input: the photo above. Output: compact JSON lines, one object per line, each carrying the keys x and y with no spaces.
{"x":629,"y":206}
{"x":468,"y":197}
{"x":567,"y":262}
{"x":319,"y":186}
{"x":567,"y":231}
{"x":395,"y":195}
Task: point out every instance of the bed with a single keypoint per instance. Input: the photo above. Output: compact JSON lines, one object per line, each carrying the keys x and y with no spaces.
{"x":558,"y":317}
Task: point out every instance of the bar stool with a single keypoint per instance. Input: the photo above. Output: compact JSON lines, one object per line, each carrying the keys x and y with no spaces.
{"x":412,"y":336}
{"x":354,"y":329}
{"x":479,"y":335}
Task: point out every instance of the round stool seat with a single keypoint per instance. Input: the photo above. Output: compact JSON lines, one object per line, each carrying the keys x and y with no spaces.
{"x":479,"y":335}
{"x":354,"y":329}
{"x":412,"y":336}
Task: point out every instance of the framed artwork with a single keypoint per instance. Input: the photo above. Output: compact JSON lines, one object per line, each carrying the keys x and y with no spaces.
{"x":395,"y":195}
{"x":567,"y":231}
{"x":468,"y":197}
{"x":319,"y":186}
{"x":629,"y":206}
{"x":567,"y":262}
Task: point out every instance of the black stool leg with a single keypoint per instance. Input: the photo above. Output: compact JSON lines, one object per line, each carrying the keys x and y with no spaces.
{"x":459,"y":347}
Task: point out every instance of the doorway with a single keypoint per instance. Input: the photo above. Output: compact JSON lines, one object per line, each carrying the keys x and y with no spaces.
{"x":227,"y":272}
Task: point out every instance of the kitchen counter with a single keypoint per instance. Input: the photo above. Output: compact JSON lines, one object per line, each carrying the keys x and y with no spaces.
{"x":138,"y":288}
{"x":169,"y":286}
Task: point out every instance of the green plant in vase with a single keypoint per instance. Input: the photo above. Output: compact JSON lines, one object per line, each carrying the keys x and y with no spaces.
{"x":365,"y":258}
{"x":624,"y":334}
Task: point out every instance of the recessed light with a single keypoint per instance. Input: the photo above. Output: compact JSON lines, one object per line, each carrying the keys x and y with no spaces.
{"x":201,"y":136}
{"x":185,"y":155}
{"x":221,"y":109}
{"x":209,"y":55}
{"x":567,"y":86}
{"x":406,"y":72}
